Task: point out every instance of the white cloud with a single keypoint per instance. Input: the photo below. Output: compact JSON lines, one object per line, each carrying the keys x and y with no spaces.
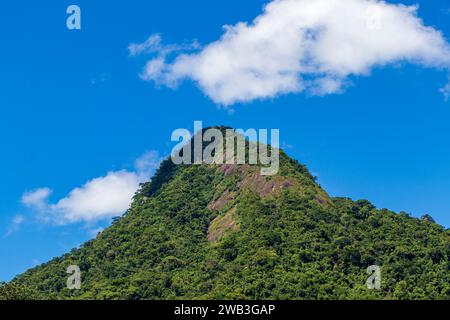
{"x":15,"y":225}
{"x":301,"y":45}
{"x":101,"y":78}
{"x":36,"y":198}
{"x":100,"y":198}
{"x":147,"y":164}
{"x":154,"y":44}
{"x":94,"y":232}
{"x":446,"y":91}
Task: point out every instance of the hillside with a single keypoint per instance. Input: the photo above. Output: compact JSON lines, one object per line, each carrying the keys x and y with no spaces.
{"x":226,"y":232}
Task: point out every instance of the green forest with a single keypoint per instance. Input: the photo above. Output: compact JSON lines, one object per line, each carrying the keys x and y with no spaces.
{"x":226,"y":232}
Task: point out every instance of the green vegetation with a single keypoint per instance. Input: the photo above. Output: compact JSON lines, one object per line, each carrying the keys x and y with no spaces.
{"x":225,"y":232}
{"x":16,"y":291}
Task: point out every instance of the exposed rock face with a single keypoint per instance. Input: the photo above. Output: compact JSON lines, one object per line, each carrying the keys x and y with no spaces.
{"x":253,"y":181}
{"x":221,"y":224}
{"x":264,"y":186}
{"x":222,"y":201}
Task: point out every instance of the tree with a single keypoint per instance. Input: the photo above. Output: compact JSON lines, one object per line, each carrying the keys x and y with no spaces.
{"x":15,"y":291}
{"x":427,"y":217}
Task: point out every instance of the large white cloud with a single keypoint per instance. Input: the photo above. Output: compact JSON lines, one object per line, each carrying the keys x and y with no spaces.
{"x":301,"y":45}
{"x":100,"y":198}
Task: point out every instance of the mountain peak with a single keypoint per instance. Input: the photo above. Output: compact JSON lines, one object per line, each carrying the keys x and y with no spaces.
{"x":225,"y":231}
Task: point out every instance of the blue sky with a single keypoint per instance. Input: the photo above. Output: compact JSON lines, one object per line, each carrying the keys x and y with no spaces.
{"x":74,"y":108}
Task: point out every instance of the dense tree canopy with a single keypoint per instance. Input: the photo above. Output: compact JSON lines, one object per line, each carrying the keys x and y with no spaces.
{"x":15,"y":291}
{"x":225,"y":232}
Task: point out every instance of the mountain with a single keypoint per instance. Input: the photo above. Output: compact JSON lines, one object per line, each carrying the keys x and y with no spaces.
{"x":227,"y":232}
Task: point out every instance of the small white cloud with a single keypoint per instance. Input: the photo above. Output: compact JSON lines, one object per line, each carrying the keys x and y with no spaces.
{"x":446,"y":91}
{"x":100,"y":198}
{"x":37,"y":198}
{"x":15,"y":225}
{"x":147,"y":164}
{"x":154,"y":45}
{"x":154,"y":70}
{"x":35,"y":262}
{"x":313,"y":46}
{"x":94,"y":232}
{"x":101,"y":78}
